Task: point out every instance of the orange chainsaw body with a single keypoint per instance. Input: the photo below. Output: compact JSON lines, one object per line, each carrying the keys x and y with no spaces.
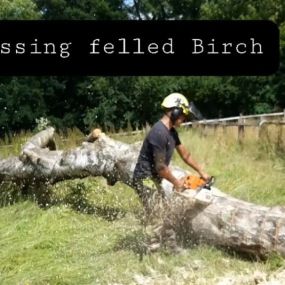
{"x":193,"y":182}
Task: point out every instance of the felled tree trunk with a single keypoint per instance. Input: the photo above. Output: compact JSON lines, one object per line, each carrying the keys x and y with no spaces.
{"x":226,"y":221}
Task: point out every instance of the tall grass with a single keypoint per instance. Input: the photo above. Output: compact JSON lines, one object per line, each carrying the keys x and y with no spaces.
{"x":12,"y":146}
{"x":92,"y":233}
{"x":251,"y":171}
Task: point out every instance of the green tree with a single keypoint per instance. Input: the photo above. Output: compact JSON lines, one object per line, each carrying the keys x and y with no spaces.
{"x":165,"y":10}
{"x":82,"y":9}
{"x":116,"y":102}
{"x":241,"y":10}
{"x":20,"y":103}
{"x":18,"y":9}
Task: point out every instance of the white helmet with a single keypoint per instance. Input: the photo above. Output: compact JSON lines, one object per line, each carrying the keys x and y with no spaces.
{"x":177,"y":100}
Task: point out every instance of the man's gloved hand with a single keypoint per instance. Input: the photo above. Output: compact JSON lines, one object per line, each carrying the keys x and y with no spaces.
{"x":205,"y":176}
{"x":179,"y":186}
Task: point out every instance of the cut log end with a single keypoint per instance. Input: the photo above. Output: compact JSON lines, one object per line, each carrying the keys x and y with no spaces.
{"x":94,"y":135}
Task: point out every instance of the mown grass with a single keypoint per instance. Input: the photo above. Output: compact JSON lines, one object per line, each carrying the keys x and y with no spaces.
{"x":92,"y":233}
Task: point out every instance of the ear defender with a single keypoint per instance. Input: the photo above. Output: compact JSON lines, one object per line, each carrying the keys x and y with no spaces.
{"x":176,"y":112}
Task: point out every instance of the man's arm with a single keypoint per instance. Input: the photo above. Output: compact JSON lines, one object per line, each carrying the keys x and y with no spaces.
{"x":164,"y":172}
{"x":187,"y":158}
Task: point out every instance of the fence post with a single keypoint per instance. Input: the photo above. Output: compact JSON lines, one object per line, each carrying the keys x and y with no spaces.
{"x":240,"y":129}
{"x":205,"y":127}
{"x":262,"y":120}
{"x":215,"y":127}
{"x":224,"y":124}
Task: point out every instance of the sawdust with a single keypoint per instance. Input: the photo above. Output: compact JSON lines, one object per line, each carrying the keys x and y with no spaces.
{"x":187,"y":275}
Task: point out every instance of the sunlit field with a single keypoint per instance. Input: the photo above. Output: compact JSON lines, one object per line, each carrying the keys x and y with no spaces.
{"x":92,"y":233}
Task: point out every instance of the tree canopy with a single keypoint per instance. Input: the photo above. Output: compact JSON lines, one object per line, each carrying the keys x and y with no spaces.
{"x":119,"y":102}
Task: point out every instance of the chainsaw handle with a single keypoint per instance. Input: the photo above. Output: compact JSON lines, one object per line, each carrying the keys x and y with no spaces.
{"x":210,"y":182}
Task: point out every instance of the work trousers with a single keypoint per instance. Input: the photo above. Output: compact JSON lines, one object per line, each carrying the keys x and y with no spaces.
{"x":157,"y":214}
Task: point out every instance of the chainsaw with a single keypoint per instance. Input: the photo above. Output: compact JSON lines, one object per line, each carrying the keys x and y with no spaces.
{"x":199,"y":189}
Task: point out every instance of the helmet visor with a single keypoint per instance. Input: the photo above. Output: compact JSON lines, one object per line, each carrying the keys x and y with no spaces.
{"x":195,"y":111}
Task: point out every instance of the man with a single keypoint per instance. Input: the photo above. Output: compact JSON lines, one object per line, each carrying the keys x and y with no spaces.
{"x":158,"y":146}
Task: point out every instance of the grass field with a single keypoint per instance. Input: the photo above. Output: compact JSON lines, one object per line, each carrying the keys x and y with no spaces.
{"x":92,"y":233}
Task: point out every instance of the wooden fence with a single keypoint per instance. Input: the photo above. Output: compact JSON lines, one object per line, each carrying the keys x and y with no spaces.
{"x":269,"y":128}
{"x":243,"y":119}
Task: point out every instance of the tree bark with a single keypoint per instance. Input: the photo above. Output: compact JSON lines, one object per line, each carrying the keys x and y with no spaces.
{"x":226,"y":221}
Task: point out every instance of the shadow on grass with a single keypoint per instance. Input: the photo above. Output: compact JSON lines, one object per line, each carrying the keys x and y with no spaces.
{"x":9,"y":194}
{"x":135,"y":241}
{"x":77,"y":199}
{"x":44,"y":196}
{"x":275,"y":260}
{"x":107,"y":213}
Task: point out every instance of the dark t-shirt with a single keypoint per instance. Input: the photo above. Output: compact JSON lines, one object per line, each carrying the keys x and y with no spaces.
{"x":160,"y":140}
